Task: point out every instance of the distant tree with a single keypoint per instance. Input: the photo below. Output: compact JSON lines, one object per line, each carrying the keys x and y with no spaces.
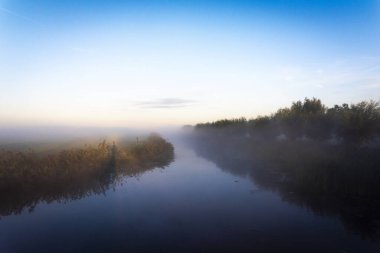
{"x":357,"y":123}
{"x":313,"y":106}
{"x":231,"y":127}
{"x":317,"y":125}
{"x":304,"y":119}
{"x":262,"y":127}
{"x":288,"y":122}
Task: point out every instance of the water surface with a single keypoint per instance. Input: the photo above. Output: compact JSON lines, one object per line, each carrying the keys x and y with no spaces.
{"x":190,"y":206}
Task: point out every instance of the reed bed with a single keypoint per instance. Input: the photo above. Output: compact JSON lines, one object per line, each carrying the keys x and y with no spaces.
{"x":27,"y":177}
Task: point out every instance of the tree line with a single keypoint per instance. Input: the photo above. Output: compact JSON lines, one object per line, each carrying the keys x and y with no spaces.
{"x":353,"y":124}
{"x":316,"y":148}
{"x":325,"y":158}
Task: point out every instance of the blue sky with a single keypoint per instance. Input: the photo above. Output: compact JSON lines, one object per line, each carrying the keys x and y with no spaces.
{"x":145,"y":63}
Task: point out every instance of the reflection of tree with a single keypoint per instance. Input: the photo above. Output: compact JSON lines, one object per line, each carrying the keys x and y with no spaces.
{"x":330,"y":191}
{"x":27,"y":178}
{"x":327,"y":157}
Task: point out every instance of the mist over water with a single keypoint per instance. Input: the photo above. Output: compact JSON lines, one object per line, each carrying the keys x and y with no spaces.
{"x":55,"y":133}
{"x":203,"y":201}
{"x":230,"y":185}
{"x":189,"y":126}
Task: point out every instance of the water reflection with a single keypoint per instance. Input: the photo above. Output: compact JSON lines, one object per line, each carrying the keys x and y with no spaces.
{"x":28,"y":178}
{"x":360,"y":215}
{"x":190,"y":206}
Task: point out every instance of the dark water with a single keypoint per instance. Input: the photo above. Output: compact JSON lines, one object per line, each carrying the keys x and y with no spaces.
{"x":190,"y":206}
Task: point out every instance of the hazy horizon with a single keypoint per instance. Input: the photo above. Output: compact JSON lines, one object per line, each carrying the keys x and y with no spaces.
{"x":169,"y":63}
{"x":96,"y":151}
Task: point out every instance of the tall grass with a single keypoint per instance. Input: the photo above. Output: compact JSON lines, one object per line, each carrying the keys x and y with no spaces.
{"x":27,"y":178}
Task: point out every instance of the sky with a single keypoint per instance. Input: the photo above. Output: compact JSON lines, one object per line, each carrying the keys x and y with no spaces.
{"x":152,"y":63}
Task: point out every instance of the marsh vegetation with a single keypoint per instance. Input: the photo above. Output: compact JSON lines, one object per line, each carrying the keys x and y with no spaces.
{"x":29,"y":177}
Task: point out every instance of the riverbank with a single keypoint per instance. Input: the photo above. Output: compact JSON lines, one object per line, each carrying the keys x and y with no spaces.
{"x":28,"y":177}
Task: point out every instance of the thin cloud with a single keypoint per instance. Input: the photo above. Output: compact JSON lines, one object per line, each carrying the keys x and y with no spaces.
{"x":12,"y":13}
{"x":357,"y":73}
{"x":167,"y":103}
{"x":372,"y":86}
{"x":81,"y":50}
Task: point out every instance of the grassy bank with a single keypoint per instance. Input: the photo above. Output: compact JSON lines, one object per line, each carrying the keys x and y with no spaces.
{"x":28,"y":177}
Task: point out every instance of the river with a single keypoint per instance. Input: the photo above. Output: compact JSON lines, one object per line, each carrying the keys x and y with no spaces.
{"x":190,"y":206}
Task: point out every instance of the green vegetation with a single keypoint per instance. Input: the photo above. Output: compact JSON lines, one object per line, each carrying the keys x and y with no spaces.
{"x":356,"y":124}
{"x":317,"y":149}
{"x":26,"y":178}
{"x":324,"y":159}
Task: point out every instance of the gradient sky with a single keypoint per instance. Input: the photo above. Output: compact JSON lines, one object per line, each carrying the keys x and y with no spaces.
{"x":146,"y":63}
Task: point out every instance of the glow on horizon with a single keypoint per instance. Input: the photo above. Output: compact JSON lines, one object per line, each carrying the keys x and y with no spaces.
{"x":162,"y":63}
